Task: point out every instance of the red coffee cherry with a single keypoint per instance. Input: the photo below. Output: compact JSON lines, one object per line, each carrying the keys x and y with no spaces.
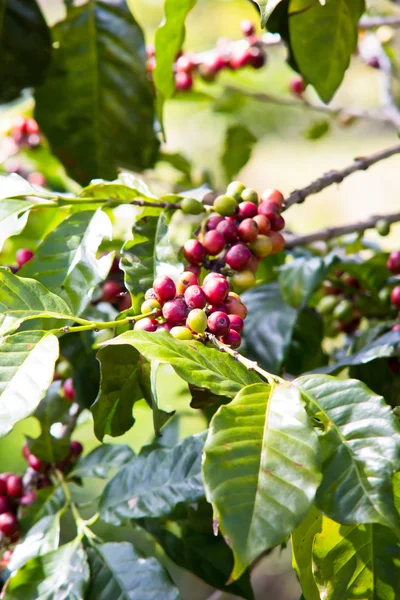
{"x":195,"y":269}
{"x":396,"y":327}
{"x":232,"y":339}
{"x":229,"y":230}
{"x":263,"y":223}
{"x":247,"y":27}
{"x":76,"y":449}
{"x":69,"y":390}
{"x":240,"y":58}
{"x":212,"y":275}
{"x":216,"y":290}
{"x":124,"y":302}
{"x":247,"y":210}
{"x":219,"y":307}
{"x":146,"y":324}
{"x":185,"y":64}
{"x":164,"y":327}
{"x":3,"y":488}
{"x":248,"y":230}
{"x":238,"y":256}
{"x":218,"y":323}
{"x":28,"y":499}
{"x":7,"y":554}
{"x":5,"y":476}
{"x":194,"y":251}
{"x":269,"y":209}
{"x":393,"y":263}
{"x":185,"y":281}
{"x":278,"y":241}
{"x":213,"y":242}
{"x":175,"y":311}
{"x":195,"y":297}
{"x":115,"y":266}
{"x":164,"y":288}
{"x":8,"y":524}
{"x":111,"y":291}
{"x":395,"y":296}
{"x":234,"y":306}
{"x":236,"y":323}
{"x":211,"y":65}
{"x":256,"y":58}
{"x":183,"y":81}
{"x":296,"y":86}
{"x":5,"y":504}
{"x":277,"y":223}
{"x":272,"y":195}
{"x":15,"y":487}
{"x":36,"y":464}
{"x":23,"y":256}
{"x":213,"y":222}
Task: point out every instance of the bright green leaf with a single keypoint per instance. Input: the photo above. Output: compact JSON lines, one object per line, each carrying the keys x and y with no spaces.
{"x":261,"y":469}
{"x":267,"y":7}
{"x":102,"y":460}
{"x":42,"y":538}
{"x":302,"y":539}
{"x":239,"y":143}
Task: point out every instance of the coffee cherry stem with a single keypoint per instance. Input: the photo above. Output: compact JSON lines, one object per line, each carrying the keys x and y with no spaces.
{"x":249,"y":364}
{"x":98,"y":326}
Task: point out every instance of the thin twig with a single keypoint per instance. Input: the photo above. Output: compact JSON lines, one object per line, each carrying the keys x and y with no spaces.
{"x":375,"y":22}
{"x":337,"y":176}
{"x":329,"y":233}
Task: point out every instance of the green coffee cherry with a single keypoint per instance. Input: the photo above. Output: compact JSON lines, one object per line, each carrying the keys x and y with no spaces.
{"x":384,"y":295}
{"x":383,"y":227}
{"x":343,"y":311}
{"x":64,"y":369}
{"x":181,"y":333}
{"x":234,"y":189}
{"x":197,"y":320}
{"x":225,"y":206}
{"x":150,"y":305}
{"x":327,"y":304}
{"x":243,"y":280}
{"x":191,"y":206}
{"x":249,"y":195}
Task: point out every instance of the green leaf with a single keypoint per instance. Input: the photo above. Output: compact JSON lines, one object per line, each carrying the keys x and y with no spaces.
{"x":360,"y":444}
{"x":27,"y":362}
{"x":299,"y":278}
{"x":66,"y":263}
{"x":302,"y":540}
{"x":25,"y":47}
{"x":328,"y":32}
{"x":261,"y":469}
{"x":102,"y":460}
{"x":61,"y":574}
{"x":22,"y":299}
{"x":118,"y":571}
{"x":125,"y":188}
{"x":356,"y":561}
{"x":239,"y":143}
{"x":195,"y":363}
{"x":267,"y":7}
{"x":77,"y":349}
{"x":49,"y":501}
{"x":305,"y":352}
{"x":42,"y":538}
{"x":169,"y":39}
{"x":13,"y":218}
{"x":153,"y":484}
{"x":371,"y":273}
{"x":100,"y":62}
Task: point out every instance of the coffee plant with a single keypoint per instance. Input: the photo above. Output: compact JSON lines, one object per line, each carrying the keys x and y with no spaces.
{"x":287,"y":345}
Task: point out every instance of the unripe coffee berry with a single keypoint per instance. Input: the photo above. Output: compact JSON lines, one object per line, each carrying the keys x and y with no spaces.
{"x":383,"y":227}
{"x":185,"y":281}
{"x":111,"y":291}
{"x":238,"y":257}
{"x":263,"y":223}
{"x":246,"y":210}
{"x":213,"y":222}
{"x":393,"y":263}
{"x":149,"y":306}
{"x":191,"y":206}
{"x":234,"y":189}
{"x":195,"y":297}
{"x":249,"y":195}
{"x":15,"y":488}
{"x":243,"y":280}
{"x":232,"y":339}
{"x":395,"y":296}
{"x":218,"y":323}
{"x":194,"y":251}
{"x":197,"y":320}
{"x":248,"y":230}
{"x":213,"y":242}
{"x":236,"y":323}
{"x":343,"y":311}
{"x":69,"y":389}
{"x":8,"y":524}
{"x":272,"y":195}
{"x":63,"y":369}
{"x":225,"y":205}
{"x":164,"y":288}
{"x":262,"y":246}
{"x":175,"y":311}
{"x":181,"y":333}
{"x":216,"y":290}
{"x":23,"y":256}
{"x":229,"y":230}
{"x":146,"y":324}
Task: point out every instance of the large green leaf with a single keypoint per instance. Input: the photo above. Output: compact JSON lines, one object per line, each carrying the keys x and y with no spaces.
{"x":22,"y":299}
{"x":302,"y":539}
{"x":61,"y":574}
{"x":27,"y":362}
{"x":66,"y":263}
{"x":42,"y":538}
{"x":119,"y":572}
{"x":169,"y":39}
{"x":77,"y":349}
{"x":98,"y":82}
{"x":323,"y":37}
{"x":356,"y":561}
{"x":25,"y":47}
{"x":13,"y":218}
{"x":194,"y":362}
{"x":239,"y":143}
{"x":299,"y":278}
{"x":360,"y":444}
{"x":154,"y":483}
{"x":261,"y":469}
{"x":102,"y":460}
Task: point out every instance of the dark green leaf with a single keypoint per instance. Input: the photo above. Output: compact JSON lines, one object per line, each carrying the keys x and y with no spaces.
{"x":77,"y":349}
{"x":153,"y":484}
{"x":66,"y":263}
{"x":360,"y":444}
{"x":371,"y":273}
{"x":27,"y":362}
{"x":100,"y":62}
{"x":119,"y":572}
{"x":323,"y":37}
{"x":42,"y":538}
{"x":261,"y":469}
{"x":380,"y":378}
{"x":299,"y":278}
{"x":194,"y":362}
{"x":239,"y":143}
{"x":267,"y":7}
{"x":102,"y":460}
{"x":169,"y":39}
{"x":25,"y":44}
{"x":49,"y":501}
{"x":61,"y":574}
{"x":305,"y":351}
{"x":317,"y":130}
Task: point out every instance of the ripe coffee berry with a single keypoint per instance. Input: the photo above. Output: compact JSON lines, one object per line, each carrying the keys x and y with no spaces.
{"x":257,"y":58}
{"x":76,"y":449}
{"x":248,"y":230}
{"x":246,"y":210}
{"x":68,"y":389}
{"x":146,"y":324}
{"x":396,"y":327}
{"x":212,"y":275}
{"x":247,"y":27}
{"x":272,"y":195}
{"x":393,"y":263}
{"x":3,"y":488}
{"x":164,"y":327}
{"x":195,"y":269}
{"x":213,"y":222}
{"x":213,"y":242}
{"x":240,"y":58}
{"x":28,"y":499}
{"x":185,"y":281}
{"x":278,"y":241}
{"x":111,"y":291}
{"x":236,"y":323}
{"x":195,"y":297}
{"x":197,"y":320}
{"x":225,"y":205}
{"x":395,"y":296}
{"x":23,"y":256}
{"x":234,"y":306}
{"x":164,"y":288}
{"x":238,"y":256}
{"x":297,"y":86}
{"x":232,"y":339}
{"x":5,"y":505}
{"x":8,"y":524}
{"x":36,"y":464}
{"x":216,"y":290}
{"x":194,"y":251}
{"x":15,"y":488}
{"x":175,"y":311}
{"x":183,"y":81}
{"x":229,"y":230}
{"x":181,"y":333}
{"x":269,"y":209}
{"x":218,"y":323}
{"x":277,"y":223}
{"x":263,"y":224}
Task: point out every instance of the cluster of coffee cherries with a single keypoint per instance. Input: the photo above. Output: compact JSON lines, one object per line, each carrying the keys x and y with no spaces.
{"x":23,"y":135}
{"x":393,"y":264}
{"x":227,"y":55}
{"x":244,"y":230}
{"x":25,"y":132}
{"x":189,"y":310}
{"x":340,"y":302}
